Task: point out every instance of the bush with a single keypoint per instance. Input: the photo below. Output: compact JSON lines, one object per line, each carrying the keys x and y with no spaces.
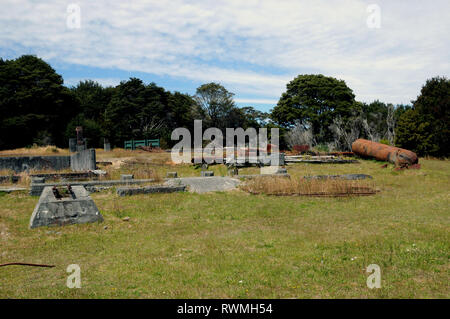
{"x":414,"y":133}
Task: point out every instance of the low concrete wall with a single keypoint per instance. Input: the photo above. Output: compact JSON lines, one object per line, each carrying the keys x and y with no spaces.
{"x":36,"y":189}
{"x":261,"y":175}
{"x":23,"y":163}
{"x":66,"y":176}
{"x":83,"y":160}
{"x":124,"y":191}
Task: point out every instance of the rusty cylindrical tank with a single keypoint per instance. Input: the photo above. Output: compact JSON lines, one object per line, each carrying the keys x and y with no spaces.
{"x":382,"y":152}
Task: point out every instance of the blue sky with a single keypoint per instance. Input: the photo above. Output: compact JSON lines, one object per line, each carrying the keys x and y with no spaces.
{"x":254,"y":48}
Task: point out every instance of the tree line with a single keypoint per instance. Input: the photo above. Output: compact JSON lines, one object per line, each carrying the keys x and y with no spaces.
{"x":321,"y":111}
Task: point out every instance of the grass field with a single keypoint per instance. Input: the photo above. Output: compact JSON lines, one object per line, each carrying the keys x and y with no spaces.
{"x":237,"y":245}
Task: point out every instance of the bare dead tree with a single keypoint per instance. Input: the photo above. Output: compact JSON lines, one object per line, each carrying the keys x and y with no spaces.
{"x":371,"y":131}
{"x":345,"y":133}
{"x":390,"y":122}
{"x":300,"y":134}
{"x":151,"y":126}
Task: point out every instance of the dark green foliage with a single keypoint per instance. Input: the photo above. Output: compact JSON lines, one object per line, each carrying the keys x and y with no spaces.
{"x":314,"y":99}
{"x":138,"y":111}
{"x":93,"y":100}
{"x":135,"y":111}
{"x":425,"y":129}
{"x":415,"y":134}
{"x":92,"y":130}
{"x":181,"y":108}
{"x":34,"y":104}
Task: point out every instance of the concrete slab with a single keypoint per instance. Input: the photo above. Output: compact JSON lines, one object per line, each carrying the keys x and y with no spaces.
{"x":11,"y":189}
{"x":127,"y":191}
{"x":205,"y":184}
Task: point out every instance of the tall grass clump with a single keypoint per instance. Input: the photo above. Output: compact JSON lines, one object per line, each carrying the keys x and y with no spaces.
{"x":306,"y":187}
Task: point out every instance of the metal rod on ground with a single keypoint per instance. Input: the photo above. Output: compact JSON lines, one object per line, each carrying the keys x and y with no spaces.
{"x":27,"y":264}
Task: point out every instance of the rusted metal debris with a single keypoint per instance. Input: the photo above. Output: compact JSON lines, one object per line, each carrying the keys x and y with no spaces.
{"x":79,"y":130}
{"x":398,"y":156}
{"x":27,"y":264}
{"x":150,"y":149}
{"x":414,"y":166}
{"x":301,"y":148}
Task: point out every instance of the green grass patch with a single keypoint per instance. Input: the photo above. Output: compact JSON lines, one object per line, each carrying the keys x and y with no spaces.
{"x":236,"y":245}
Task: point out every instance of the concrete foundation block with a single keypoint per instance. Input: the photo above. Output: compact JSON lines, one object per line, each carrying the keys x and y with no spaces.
{"x":64,"y":207}
{"x":126,"y":177}
{"x":83,"y":160}
{"x":172,"y":175}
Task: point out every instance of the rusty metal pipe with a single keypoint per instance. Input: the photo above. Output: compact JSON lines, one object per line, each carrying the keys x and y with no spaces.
{"x":382,"y":152}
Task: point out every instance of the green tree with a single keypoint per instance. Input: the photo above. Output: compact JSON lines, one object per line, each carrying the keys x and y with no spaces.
{"x":314,"y":99}
{"x":34,"y":104}
{"x":182,"y":108}
{"x":433,"y":104}
{"x":93,"y":99}
{"x":216,"y":104}
{"x":425,"y":128}
{"x":136,"y":110}
{"x":253,"y":117}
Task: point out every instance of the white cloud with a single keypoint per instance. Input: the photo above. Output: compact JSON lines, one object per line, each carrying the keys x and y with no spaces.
{"x":257,"y":101}
{"x":252,"y":47}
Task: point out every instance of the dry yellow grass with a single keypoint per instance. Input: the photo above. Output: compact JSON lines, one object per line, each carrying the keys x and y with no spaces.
{"x":35,"y":150}
{"x":139,"y":170}
{"x":304,"y":187}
